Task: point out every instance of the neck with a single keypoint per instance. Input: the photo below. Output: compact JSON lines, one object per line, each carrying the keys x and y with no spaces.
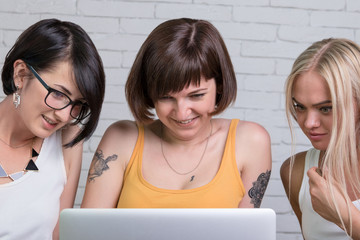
{"x":13,"y":131}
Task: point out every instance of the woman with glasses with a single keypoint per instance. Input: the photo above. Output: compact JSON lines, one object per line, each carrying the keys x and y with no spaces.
{"x":53,"y":79}
{"x":183,"y":157}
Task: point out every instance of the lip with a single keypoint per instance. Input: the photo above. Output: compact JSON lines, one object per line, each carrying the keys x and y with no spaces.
{"x":316,"y":136}
{"x":49,"y":123}
{"x":185,"y":123}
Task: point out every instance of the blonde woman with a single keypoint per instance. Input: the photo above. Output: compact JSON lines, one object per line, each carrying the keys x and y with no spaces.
{"x":323,"y":96}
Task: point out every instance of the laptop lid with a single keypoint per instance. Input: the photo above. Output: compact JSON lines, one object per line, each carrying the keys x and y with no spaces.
{"x":169,"y":224}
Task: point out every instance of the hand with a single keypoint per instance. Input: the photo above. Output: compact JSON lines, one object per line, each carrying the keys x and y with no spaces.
{"x":321,"y":198}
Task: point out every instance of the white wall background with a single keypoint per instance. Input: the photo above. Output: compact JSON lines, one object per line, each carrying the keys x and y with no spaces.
{"x":262,"y":36}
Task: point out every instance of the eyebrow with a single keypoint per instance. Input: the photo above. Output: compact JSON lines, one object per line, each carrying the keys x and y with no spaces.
{"x":198,"y":90}
{"x":64,"y":89}
{"x":316,"y":104}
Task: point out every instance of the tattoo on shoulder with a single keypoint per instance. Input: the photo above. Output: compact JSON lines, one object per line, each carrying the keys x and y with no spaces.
{"x":99,"y":165}
{"x":256,"y":193}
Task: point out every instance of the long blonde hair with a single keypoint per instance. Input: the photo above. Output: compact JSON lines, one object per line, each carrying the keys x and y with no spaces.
{"x":338,"y":62}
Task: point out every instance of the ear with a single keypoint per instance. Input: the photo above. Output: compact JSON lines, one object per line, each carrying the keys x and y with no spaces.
{"x":20,"y":70}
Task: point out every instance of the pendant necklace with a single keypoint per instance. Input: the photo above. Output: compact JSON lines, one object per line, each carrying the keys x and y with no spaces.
{"x":197,"y":165}
{"x":31,"y":166}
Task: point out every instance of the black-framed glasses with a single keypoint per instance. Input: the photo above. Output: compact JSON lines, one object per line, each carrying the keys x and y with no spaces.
{"x":58,"y":100}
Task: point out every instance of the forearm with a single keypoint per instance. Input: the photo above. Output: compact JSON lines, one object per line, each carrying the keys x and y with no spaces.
{"x":355,"y":213}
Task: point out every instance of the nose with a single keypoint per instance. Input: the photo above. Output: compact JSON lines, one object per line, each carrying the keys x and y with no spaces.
{"x":182,"y":110}
{"x":63,"y":114}
{"x":312,"y":120}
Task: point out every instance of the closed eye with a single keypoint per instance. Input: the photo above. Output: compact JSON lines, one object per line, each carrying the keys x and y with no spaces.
{"x":198,"y":95}
{"x":163,"y":98}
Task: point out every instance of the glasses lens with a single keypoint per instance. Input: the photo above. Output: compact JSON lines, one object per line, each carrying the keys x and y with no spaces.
{"x":57,"y":100}
{"x":80,"y":111}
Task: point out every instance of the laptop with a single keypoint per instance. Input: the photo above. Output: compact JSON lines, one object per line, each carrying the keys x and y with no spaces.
{"x":168,"y":224}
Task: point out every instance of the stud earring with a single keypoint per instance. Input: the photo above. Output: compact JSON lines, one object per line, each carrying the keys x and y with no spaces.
{"x":16,"y":97}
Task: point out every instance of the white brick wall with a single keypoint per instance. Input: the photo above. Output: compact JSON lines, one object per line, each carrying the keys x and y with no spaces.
{"x":263,"y":38}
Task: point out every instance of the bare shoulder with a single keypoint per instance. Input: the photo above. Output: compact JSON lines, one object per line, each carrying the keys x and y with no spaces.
{"x":297,"y":161}
{"x":291,"y":172}
{"x":121,"y":129}
{"x":252,"y":133}
{"x":253,"y":147}
{"x":293,"y":168}
{"x":119,"y":137}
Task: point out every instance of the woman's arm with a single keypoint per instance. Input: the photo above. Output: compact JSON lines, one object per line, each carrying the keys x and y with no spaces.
{"x":323,"y":205}
{"x":292,"y":191}
{"x":253,"y":153}
{"x":105,"y":177}
{"x":72,"y":160}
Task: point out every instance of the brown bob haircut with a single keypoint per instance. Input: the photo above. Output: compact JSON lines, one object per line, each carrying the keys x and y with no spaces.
{"x":178,"y":53}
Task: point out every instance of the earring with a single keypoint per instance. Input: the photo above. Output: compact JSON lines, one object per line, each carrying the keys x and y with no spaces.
{"x":16,"y":97}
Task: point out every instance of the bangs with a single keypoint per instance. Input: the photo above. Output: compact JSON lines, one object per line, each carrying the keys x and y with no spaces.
{"x":178,"y":74}
{"x":180,"y":62}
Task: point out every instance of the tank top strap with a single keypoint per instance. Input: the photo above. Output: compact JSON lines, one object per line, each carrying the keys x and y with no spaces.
{"x":138,"y":150}
{"x":311,"y":160}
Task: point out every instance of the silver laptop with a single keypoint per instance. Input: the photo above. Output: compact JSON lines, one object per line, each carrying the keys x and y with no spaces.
{"x":168,"y":224}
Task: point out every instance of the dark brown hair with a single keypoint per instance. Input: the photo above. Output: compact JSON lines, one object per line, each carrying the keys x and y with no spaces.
{"x":50,"y":41}
{"x":176,"y":54}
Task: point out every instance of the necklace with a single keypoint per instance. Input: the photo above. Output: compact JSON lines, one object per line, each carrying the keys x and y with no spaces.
{"x":20,"y":146}
{"x":197,"y":165}
{"x":31,"y":166}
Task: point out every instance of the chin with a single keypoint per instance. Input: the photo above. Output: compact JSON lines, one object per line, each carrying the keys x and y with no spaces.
{"x":320,"y":146}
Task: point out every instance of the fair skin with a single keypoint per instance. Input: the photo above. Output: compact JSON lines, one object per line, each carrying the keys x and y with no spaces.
{"x":185,"y":124}
{"x":35,"y":120}
{"x":312,"y":101}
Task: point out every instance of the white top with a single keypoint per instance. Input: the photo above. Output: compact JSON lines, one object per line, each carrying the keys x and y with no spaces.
{"x":29,"y":206}
{"x":315,"y":227}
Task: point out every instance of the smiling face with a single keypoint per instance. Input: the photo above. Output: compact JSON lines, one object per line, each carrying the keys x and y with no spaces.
{"x":187,"y":112}
{"x":39,"y":118}
{"x":313,"y":106}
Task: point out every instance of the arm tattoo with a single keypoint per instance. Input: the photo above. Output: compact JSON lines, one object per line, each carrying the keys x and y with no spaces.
{"x":99,"y":165}
{"x":256,"y":193}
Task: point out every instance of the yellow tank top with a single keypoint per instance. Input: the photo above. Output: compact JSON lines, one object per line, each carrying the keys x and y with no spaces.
{"x":225,"y":190}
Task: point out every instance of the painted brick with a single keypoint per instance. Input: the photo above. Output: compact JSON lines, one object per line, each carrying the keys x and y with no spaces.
{"x":111,"y":59}
{"x":116,"y":76}
{"x":208,"y":12}
{"x":246,"y":99}
{"x":312,"y":34}
{"x":310,"y":4}
{"x":115,"y":8}
{"x":353,"y":5}
{"x":283,"y":66}
{"x":286,"y":16}
{"x":22,"y":21}
{"x":278,"y":204}
{"x":91,"y":25}
{"x":266,"y":83}
{"x":236,"y":2}
{"x":274,"y":50}
{"x":287,"y":223}
{"x":40,"y":6}
{"x":253,"y":65}
{"x":139,"y":26}
{"x":247,"y":31}
{"x":331,"y":19}
{"x":121,"y":42}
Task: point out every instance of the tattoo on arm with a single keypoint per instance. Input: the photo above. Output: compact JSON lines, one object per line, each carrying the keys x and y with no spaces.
{"x":256,"y":193}
{"x":99,"y":165}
